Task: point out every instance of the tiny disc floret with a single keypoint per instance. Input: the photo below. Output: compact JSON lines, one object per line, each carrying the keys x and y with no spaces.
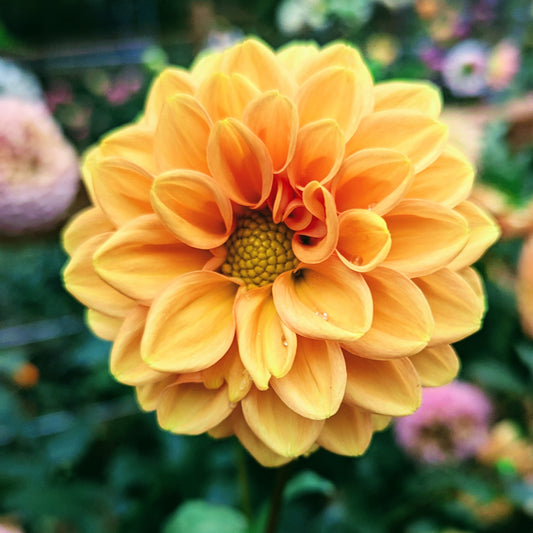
{"x":259,"y":250}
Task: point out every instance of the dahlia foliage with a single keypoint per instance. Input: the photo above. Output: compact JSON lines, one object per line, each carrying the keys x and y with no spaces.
{"x":280,"y":249}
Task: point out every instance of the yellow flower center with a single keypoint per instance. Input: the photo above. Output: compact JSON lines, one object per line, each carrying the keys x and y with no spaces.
{"x":259,"y":250}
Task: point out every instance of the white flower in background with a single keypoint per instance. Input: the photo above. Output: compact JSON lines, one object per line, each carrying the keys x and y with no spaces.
{"x":464,"y":69}
{"x":395,"y":4}
{"x":14,"y":81}
{"x":218,"y":40}
{"x":294,"y":16}
{"x":38,"y":168}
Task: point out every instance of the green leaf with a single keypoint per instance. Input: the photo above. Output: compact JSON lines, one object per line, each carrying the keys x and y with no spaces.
{"x":197,"y":516}
{"x":525,"y":353}
{"x":308,"y":482}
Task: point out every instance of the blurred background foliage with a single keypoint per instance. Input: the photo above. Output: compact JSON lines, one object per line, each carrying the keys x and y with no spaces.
{"x":77,"y":455}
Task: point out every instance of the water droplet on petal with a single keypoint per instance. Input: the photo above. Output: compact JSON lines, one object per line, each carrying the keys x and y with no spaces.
{"x":323,"y":316}
{"x":372,"y":205}
{"x":357,"y":260}
{"x":285,"y":343}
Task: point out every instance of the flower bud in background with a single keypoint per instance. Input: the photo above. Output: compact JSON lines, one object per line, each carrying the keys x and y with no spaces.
{"x":450,"y":425}
{"x":38,"y":168}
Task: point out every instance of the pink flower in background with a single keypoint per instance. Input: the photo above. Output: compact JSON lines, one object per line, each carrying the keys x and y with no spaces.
{"x":38,"y":168}
{"x":450,"y":425}
{"x":60,"y":93}
{"x":464,"y":68}
{"x":503,"y":64}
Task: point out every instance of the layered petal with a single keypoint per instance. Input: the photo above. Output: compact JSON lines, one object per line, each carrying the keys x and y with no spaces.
{"x":175,"y":337}
{"x":348,"y":432}
{"x":266,"y":345}
{"x":104,"y":326}
{"x":314,"y":386}
{"x":295,"y":56}
{"x":148,"y":394}
{"x":389,"y":388}
{"x":87,"y":223}
{"x":414,"y":134}
{"x":193,"y":207}
{"x":326,"y":301}
{"x":425,"y":237}
{"x":143,"y":257}
{"x":181,"y":135}
{"x":191,"y":409}
{"x":375,"y":178}
{"x":436,"y":366}
{"x":277,"y":426}
{"x":456,"y":308}
{"x":419,"y":96}
{"x":402,"y":323}
{"x":240,"y":163}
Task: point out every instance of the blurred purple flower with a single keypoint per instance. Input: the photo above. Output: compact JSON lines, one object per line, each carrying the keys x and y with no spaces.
{"x":60,"y":93}
{"x":465,"y":67}
{"x":38,"y":168}
{"x":450,"y":425}
{"x":433,"y":57}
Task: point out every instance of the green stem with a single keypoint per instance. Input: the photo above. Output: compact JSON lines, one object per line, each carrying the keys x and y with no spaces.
{"x":282,"y":477}
{"x":242,"y":475}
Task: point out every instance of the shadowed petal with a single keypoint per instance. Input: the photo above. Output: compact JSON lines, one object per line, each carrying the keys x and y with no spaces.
{"x":142,"y":258}
{"x":191,"y":409}
{"x":314,"y":386}
{"x":104,"y":326}
{"x":436,"y":366}
{"x":380,"y":422}
{"x":85,"y":224}
{"x":279,"y":427}
{"x":149,"y":394}
{"x":384,"y":387}
{"x":326,"y":301}
{"x":274,"y":119}
{"x":456,"y":308}
{"x":126,"y":364}
{"x":348,"y":432}
{"x":175,"y":338}
{"x":266,"y":345}
{"x":419,"y":96}
{"x":82,"y":281}
{"x":318,"y":155}
{"x":240,"y":163}
{"x":402,"y":323}
{"x":448,"y":180}
{"x":181,"y":135}
{"x":418,"y":136}
{"x":193,"y":207}
{"x":364,"y":240}
{"x":425,"y":237}
{"x":375,"y":179}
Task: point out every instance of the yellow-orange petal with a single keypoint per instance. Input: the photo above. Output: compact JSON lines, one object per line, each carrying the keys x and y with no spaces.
{"x":348,"y":432}
{"x":418,"y":136}
{"x":364,"y":240}
{"x":346,"y":108}
{"x":225,"y":95}
{"x":256,"y":447}
{"x":257,"y":63}
{"x":525,"y":286}
{"x":142,"y":258}
{"x":380,"y":422}
{"x":205,"y":64}
{"x":180,"y":139}
{"x":191,"y":409}
{"x":134,"y":143}
{"x":175,"y":337}
{"x":148,"y":394}
{"x":82,"y":281}
{"x":104,"y":326}
{"x":456,"y":308}
{"x":240,"y":163}
{"x":326,"y":301}
{"x":375,"y":178}
{"x":88,"y":162}
{"x":484,"y":232}
{"x":310,"y":247}
{"x":266,"y":345}
{"x":314,"y":386}
{"x":122,"y":189}
{"x":402,"y":323}
{"x":389,"y":388}
{"x":277,"y":426}
{"x":295,"y":55}
{"x":224,"y":429}
{"x":426,"y":236}
{"x":419,"y":96}
{"x":126,"y":364}
{"x":193,"y":207}
{"x":318,"y":154}
{"x":448,"y":180}
{"x":436,"y":366}
{"x":170,"y":82}
{"x":274,"y":119}
{"x":86,"y":224}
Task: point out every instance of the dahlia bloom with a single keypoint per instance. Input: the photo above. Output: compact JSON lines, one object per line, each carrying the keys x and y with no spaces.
{"x":275,"y":262}
{"x":38,"y":168}
{"x":451,"y":424}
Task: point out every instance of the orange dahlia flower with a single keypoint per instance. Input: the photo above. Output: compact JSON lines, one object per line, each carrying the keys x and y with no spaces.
{"x":279,"y":249}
